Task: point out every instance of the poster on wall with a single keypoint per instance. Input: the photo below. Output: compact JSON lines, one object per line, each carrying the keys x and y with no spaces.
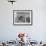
{"x":22,"y":17}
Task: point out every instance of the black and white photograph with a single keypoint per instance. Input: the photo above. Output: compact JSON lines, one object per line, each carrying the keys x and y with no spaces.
{"x":22,"y":17}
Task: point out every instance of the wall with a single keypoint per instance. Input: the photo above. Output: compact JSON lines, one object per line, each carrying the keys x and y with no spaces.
{"x":37,"y":31}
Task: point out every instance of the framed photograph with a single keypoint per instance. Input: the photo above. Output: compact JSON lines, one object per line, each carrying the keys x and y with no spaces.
{"x":22,"y":17}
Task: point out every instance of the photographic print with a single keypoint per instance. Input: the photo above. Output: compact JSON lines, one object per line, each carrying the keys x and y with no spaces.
{"x":22,"y":17}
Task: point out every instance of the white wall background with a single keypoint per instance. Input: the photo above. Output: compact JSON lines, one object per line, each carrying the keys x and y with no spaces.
{"x":38,"y":30}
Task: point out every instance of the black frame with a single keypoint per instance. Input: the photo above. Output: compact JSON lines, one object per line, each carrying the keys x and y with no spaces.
{"x":24,"y":24}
